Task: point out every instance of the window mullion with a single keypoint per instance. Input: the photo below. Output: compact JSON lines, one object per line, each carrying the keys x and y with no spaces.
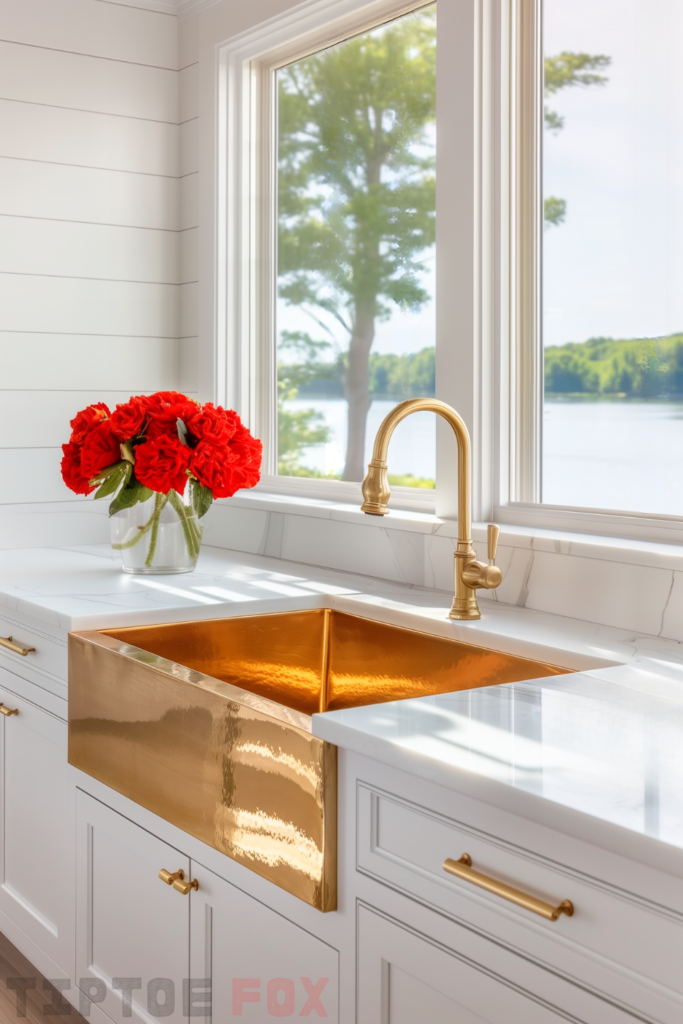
{"x":465,"y":245}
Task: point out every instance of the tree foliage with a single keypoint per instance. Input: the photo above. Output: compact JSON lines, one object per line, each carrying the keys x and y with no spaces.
{"x":564,"y":71}
{"x":643,"y":368}
{"x":356,"y":190}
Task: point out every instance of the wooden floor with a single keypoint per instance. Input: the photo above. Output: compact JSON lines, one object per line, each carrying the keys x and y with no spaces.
{"x":17,"y":970}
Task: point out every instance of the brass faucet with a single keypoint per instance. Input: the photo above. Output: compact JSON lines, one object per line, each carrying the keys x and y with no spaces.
{"x":469,"y":573}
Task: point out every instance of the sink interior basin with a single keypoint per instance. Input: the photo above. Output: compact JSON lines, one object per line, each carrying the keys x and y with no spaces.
{"x":209,"y":724}
{"x":325,"y":660}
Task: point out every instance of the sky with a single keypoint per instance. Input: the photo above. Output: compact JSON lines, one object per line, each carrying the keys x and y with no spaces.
{"x":614,"y":268}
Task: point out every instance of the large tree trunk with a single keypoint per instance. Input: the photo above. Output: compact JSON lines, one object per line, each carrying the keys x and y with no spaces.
{"x":357,"y":387}
{"x":358,"y":393}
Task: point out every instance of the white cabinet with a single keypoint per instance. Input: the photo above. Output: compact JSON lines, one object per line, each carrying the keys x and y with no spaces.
{"x":259,"y":964}
{"x":132,"y":930}
{"x":36,"y":879}
{"x":405,"y":977}
{"x":216,"y":953}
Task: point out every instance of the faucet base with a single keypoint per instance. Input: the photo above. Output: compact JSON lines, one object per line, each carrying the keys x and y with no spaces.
{"x":465,"y":608}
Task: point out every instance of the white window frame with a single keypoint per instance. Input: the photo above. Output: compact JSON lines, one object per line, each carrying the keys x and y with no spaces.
{"x":520,"y":345}
{"x":489,"y":236}
{"x":243,"y":354}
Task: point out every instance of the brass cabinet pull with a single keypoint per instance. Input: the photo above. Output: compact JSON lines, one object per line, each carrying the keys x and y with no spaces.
{"x":8,"y":642}
{"x":8,"y":711}
{"x":177,"y":880}
{"x":463,"y":869}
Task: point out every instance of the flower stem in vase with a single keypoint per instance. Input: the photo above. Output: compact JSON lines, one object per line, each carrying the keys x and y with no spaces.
{"x":159,"y":504}
{"x":192,"y":544}
{"x":142,"y":530}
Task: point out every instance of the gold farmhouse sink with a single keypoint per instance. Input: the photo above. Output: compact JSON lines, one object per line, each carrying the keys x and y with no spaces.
{"x":208,"y":724}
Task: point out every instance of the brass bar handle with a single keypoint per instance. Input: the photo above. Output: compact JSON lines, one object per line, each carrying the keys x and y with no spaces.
{"x":185,"y":888}
{"x":8,"y":642}
{"x":463,"y":869}
{"x":170,"y":876}
{"x":8,"y":711}
{"x":177,"y":880}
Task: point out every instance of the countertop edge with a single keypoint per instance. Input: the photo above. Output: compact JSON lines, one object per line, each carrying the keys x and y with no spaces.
{"x":647,"y":850}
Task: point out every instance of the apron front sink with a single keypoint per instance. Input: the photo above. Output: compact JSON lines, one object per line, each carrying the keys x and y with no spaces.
{"x":208,"y":723}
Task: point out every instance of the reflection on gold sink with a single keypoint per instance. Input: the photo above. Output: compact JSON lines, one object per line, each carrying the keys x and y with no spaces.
{"x":208,"y":724}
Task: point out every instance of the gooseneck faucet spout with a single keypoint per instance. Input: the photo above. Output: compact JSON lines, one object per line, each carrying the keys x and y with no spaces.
{"x":469,"y":573}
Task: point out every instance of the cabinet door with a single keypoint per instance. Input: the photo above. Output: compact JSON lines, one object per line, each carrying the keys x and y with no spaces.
{"x":132,"y":929}
{"x":36,"y":888}
{"x":406,"y":978}
{"x":257,"y":964}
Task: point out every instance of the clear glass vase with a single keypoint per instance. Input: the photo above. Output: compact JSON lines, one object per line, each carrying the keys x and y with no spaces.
{"x":160,"y":535}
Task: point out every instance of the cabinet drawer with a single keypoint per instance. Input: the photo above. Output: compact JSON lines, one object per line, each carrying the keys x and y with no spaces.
{"x":38,"y":695}
{"x":405,"y":977}
{"x":50,"y":657}
{"x":405,"y":846}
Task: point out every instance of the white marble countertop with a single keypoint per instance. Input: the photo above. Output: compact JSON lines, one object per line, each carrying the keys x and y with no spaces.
{"x":604,"y":741}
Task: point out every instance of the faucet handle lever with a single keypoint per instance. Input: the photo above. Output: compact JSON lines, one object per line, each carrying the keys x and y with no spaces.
{"x":493,"y":533}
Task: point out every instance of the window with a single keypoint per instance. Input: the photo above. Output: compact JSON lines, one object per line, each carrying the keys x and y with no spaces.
{"x":612,"y":245}
{"x":550,"y":319}
{"x":326,"y":275}
{"x":355,"y":332}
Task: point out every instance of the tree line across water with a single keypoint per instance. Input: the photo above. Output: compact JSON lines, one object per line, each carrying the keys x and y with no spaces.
{"x":638,"y":368}
{"x":645,"y":368}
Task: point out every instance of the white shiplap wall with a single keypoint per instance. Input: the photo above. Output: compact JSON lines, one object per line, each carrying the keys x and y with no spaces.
{"x":96,"y":267}
{"x":188,"y":63}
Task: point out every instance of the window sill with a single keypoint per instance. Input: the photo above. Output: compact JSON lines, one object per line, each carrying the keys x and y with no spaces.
{"x":343,"y":493}
{"x":656,"y":554}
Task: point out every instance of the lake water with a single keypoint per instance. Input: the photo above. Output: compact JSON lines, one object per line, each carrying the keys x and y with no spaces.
{"x":622,"y":455}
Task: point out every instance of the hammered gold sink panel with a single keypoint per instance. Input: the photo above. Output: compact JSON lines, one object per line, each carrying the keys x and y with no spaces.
{"x":208,"y":724}
{"x":282,"y":657}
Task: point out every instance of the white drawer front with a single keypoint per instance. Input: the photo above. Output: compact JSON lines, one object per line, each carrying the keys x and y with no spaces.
{"x":50,"y":657}
{"x":406,"y":846}
{"x":38,"y":695}
{"x":405,"y":977}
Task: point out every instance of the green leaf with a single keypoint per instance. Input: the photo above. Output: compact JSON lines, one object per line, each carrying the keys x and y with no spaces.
{"x":106,"y":473}
{"x":201,"y":498}
{"x":129,"y":496}
{"x":110,"y":483}
{"x":111,"y":478}
{"x":183,"y":432}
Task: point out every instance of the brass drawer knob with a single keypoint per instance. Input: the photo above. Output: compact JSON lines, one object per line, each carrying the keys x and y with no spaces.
{"x":177,"y":880}
{"x":8,"y":711}
{"x":8,"y":642}
{"x":463,"y":869}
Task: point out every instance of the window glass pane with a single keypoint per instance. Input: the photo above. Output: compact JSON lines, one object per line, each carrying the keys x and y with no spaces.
{"x":355,"y":266}
{"x":613,"y":255}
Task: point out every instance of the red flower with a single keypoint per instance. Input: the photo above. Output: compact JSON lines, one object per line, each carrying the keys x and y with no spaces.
{"x":165,"y":407}
{"x":160,"y":464}
{"x":100,"y":449}
{"x":127,"y":419}
{"x":162,"y":400}
{"x":214,"y":424}
{"x":226,"y":469}
{"x":85,"y":420}
{"x":71,"y":470}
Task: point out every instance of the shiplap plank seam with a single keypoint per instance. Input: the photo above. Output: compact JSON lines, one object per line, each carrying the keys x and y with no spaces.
{"x":96,"y":167}
{"x":96,"y":223}
{"x":96,"y":113}
{"x":94,"y":56}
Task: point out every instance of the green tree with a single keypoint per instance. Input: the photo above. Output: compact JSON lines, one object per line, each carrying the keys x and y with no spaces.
{"x":356,"y":190}
{"x":305,"y":427}
{"x":562,"y":72}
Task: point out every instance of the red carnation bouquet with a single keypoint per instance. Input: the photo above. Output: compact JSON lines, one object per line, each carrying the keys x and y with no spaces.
{"x":161,"y":445}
